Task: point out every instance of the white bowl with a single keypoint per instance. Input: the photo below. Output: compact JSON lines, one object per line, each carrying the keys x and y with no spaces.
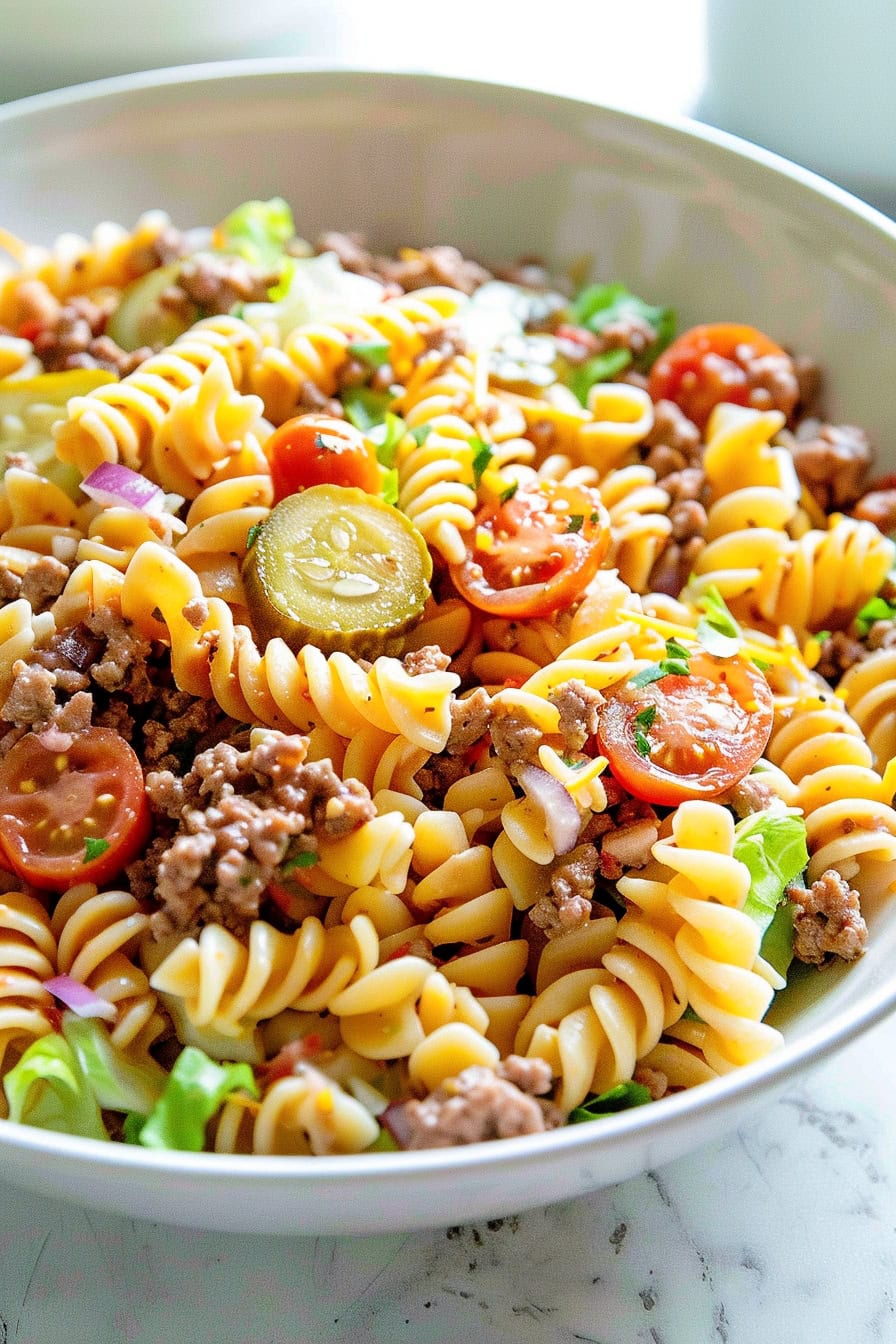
{"x":682,"y":214}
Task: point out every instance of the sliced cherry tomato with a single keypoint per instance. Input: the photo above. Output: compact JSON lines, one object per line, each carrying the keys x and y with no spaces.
{"x":709,"y":364}
{"x":320,"y":450}
{"x":699,"y":735}
{"x":535,"y":552}
{"x":73,"y":815}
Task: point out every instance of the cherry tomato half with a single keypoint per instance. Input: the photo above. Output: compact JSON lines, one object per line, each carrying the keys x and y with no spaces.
{"x":535,"y":552}
{"x":699,"y":734}
{"x":710,"y":364}
{"x":320,"y":450}
{"x":70,"y":816}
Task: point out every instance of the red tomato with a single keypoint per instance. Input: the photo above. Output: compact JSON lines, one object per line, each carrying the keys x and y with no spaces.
{"x":320,"y":450}
{"x":53,"y":804}
{"x":709,"y":364}
{"x":534,"y":553}
{"x":702,"y":733}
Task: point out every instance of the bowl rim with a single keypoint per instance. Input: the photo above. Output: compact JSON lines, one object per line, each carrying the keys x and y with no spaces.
{"x":748,"y":1083}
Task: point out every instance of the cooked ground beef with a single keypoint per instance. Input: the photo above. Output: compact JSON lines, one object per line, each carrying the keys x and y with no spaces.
{"x":74,"y":338}
{"x":673,"y":443}
{"x":772,"y":381}
{"x":654,"y":1080}
{"x":832,"y":462}
{"x":481,"y":1104}
{"x":878,"y":507}
{"x":578,"y":706}
{"x":428,"y":659}
{"x":32,"y":696}
{"x":470,"y":719}
{"x":515,"y":737}
{"x":829,"y":921}
{"x":10,"y":584}
{"x":237,"y":814}
{"x":752,"y":794}
{"x":122,"y":665}
{"x":43,"y":581}
{"x":568,"y":905}
{"x":839,"y":652}
{"x":215,"y":282}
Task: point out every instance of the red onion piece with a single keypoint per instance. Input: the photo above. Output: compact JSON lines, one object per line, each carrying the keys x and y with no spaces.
{"x":561,"y":816}
{"x":79,"y":997}
{"x":112,"y":484}
{"x":394,"y":1119}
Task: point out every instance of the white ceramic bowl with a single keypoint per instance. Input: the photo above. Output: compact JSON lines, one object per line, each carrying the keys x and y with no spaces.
{"x":681,"y":214}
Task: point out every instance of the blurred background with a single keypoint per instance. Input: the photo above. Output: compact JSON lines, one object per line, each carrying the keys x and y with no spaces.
{"x":810,"y":79}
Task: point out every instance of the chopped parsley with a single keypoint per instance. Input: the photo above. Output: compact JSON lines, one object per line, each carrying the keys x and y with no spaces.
{"x":509,"y":492}
{"x":642,"y":743}
{"x":306,"y":859}
{"x":252,"y":535}
{"x":717,"y":630}
{"x":94,"y":846}
{"x":675,"y":664}
{"x":575,"y":522}
{"x":646,"y":717}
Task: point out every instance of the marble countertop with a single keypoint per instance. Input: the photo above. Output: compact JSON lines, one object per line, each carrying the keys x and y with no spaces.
{"x":785,"y":1232}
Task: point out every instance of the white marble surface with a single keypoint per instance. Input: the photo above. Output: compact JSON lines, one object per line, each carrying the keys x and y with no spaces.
{"x":783,"y":1233}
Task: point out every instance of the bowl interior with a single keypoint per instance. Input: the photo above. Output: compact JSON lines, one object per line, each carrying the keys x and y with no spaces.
{"x":683,"y":216}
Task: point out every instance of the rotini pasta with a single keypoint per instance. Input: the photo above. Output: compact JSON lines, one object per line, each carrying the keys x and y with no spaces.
{"x":423,"y":725}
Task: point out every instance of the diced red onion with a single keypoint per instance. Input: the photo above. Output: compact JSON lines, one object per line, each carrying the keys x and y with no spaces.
{"x":112,"y":484}
{"x":79,"y":997}
{"x":561,"y":816}
{"x":394,"y":1119}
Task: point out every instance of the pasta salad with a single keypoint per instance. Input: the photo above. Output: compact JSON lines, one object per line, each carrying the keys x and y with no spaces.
{"x":436,"y":704}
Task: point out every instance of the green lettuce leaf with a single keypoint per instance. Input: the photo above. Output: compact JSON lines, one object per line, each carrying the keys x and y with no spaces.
{"x":196,"y":1087}
{"x":875,"y":609}
{"x":366,"y":408}
{"x":773,"y":847}
{"x":48,"y":1089}
{"x":596,"y":306}
{"x":622,"y":1097}
{"x":259,"y":231}
{"x":777,"y":942}
{"x":598,"y":369}
{"x":387,"y":437}
{"x":117,"y":1083}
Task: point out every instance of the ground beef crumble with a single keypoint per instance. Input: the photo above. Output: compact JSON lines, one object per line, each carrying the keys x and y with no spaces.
{"x":578,"y":706}
{"x":482,"y":1104}
{"x":828,"y":922}
{"x":237,"y":814}
{"x":832,"y":462}
{"x":569,"y":903}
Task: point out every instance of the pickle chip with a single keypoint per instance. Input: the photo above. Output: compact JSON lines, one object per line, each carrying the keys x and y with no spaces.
{"x":338,"y":568}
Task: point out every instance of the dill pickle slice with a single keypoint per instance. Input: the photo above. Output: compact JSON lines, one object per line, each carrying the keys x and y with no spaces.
{"x":338,"y":568}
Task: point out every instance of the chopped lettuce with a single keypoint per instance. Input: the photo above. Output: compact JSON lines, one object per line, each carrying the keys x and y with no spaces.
{"x":49,"y":1089}
{"x":366,"y":408}
{"x":387,"y":437}
{"x":773,"y":847}
{"x":622,"y":1097}
{"x":314,"y":289}
{"x":257,"y":231}
{"x":117,"y":1082}
{"x":602,"y":368}
{"x":875,"y":609}
{"x":596,"y":306}
{"x":195,"y":1088}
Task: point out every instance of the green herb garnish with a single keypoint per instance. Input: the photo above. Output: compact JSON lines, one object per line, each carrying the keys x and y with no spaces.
{"x":675,"y":664}
{"x":306,"y":859}
{"x":596,"y":306}
{"x":482,"y":455}
{"x":93,"y":848}
{"x":365,"y":408}
{"x":575,"y":522}
{"x":252,"y":535}
{"x":646,"y":717}
{"x":717,"y":630}
{"x":372,"y":353}
{"x":642,"y":743}
{"x":509,"y":492}
{"x":601,"y":368}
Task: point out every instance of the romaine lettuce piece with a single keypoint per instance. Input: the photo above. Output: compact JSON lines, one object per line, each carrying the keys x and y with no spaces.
{"x":196,"y":1087}
{"x":48,"y":1089}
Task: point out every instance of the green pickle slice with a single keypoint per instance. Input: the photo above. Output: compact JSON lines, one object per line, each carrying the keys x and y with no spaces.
{"x":338,"y":568}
